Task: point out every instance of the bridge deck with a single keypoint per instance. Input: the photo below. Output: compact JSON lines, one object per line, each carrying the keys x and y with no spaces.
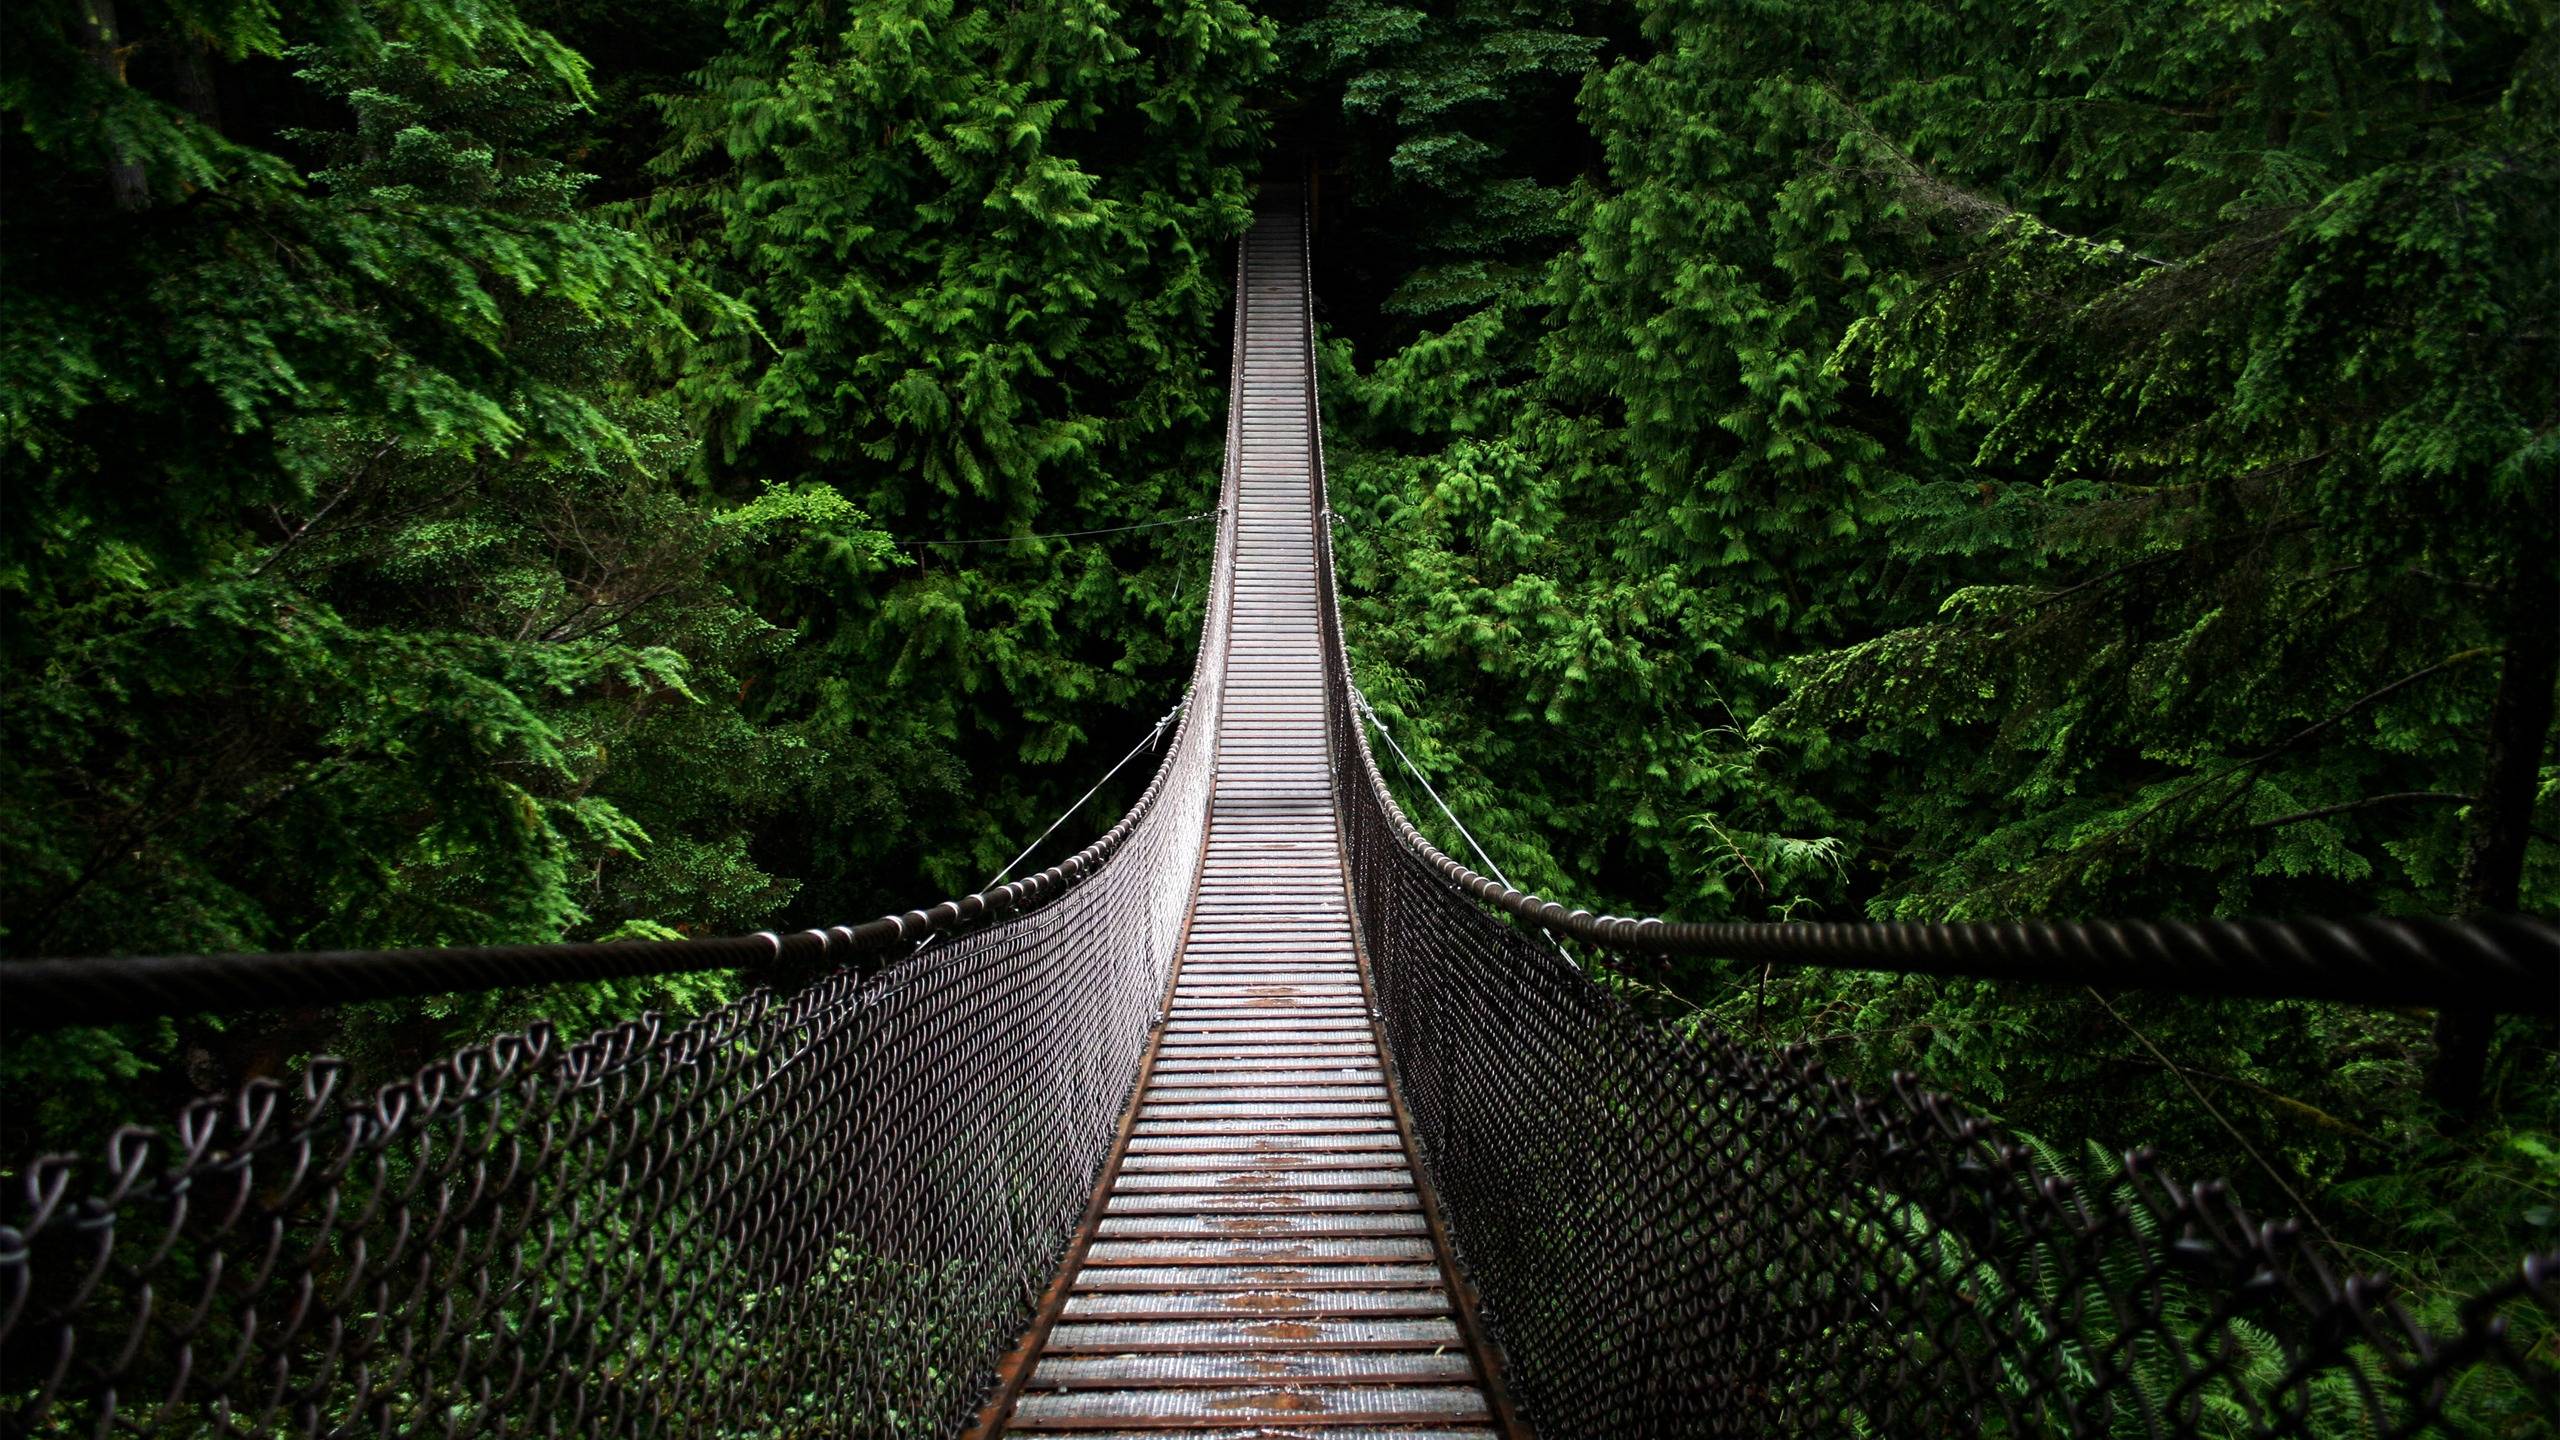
{"x":1261,"y":1255}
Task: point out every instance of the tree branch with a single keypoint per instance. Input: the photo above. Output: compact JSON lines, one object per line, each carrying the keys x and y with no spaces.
{"x":2397,"y":797}
{"x":2300,"y":1206}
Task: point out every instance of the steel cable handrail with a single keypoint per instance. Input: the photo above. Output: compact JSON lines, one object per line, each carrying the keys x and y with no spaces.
{"x":51,"y":993}
{"x":2507,"y":963}
{"x":1672,"y":1233}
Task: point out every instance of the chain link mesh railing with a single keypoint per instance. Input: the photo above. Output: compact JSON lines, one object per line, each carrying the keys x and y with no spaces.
{"x":802,"y":1215}
{"x":824,"y":1213}
{"x":1678,"y":1234}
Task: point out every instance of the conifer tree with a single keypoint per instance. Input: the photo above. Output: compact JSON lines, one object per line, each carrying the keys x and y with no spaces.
{"x":350,"y":597}
{"x":986,"y":250}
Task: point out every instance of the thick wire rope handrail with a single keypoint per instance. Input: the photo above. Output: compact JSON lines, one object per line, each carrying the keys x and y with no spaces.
{"x":51,"y":993}
{"x":1369,"y":712}
{"x":2505,"y":963}
{"x":2508,"y":963}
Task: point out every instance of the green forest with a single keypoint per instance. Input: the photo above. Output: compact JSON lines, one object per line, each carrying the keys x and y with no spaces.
{"x":495,"y":472}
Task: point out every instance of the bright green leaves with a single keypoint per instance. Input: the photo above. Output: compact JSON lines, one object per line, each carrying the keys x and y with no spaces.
{"x":987,"y":250}
{"x":928,"y":249}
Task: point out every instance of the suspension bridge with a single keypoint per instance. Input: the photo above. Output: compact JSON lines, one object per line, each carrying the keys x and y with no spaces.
{"x":1259,"y":1117}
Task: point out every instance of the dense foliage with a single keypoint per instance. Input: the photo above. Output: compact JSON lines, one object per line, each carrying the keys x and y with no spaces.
{"x":486,"y":472}
{"x":987,"y":249}
{"x":407,"y":544}
{"x":1998,"y":461}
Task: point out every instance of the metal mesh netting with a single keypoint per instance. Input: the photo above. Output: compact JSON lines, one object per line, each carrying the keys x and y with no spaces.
{"x":814,"y":1214}
{"x":804,"y":1215}
{"x":1688,"y":1237}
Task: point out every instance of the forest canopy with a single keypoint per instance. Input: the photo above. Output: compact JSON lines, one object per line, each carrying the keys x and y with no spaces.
{"x":485,"y":472}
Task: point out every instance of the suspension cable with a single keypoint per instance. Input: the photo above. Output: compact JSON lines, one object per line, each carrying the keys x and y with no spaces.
{"x":1078,"y":534}
{"x":1362,"y":703}
{"x":1153,"y":735}
{"x":1153,"y":738}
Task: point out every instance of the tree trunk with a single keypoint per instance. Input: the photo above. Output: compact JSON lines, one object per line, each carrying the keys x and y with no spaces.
{"x":126,"y":183}
{"x":196,"y":88}
{"x":2502,"y":816}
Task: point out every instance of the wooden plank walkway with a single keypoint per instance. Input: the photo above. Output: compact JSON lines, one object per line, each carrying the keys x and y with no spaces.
{"x":1262,"y":1264}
